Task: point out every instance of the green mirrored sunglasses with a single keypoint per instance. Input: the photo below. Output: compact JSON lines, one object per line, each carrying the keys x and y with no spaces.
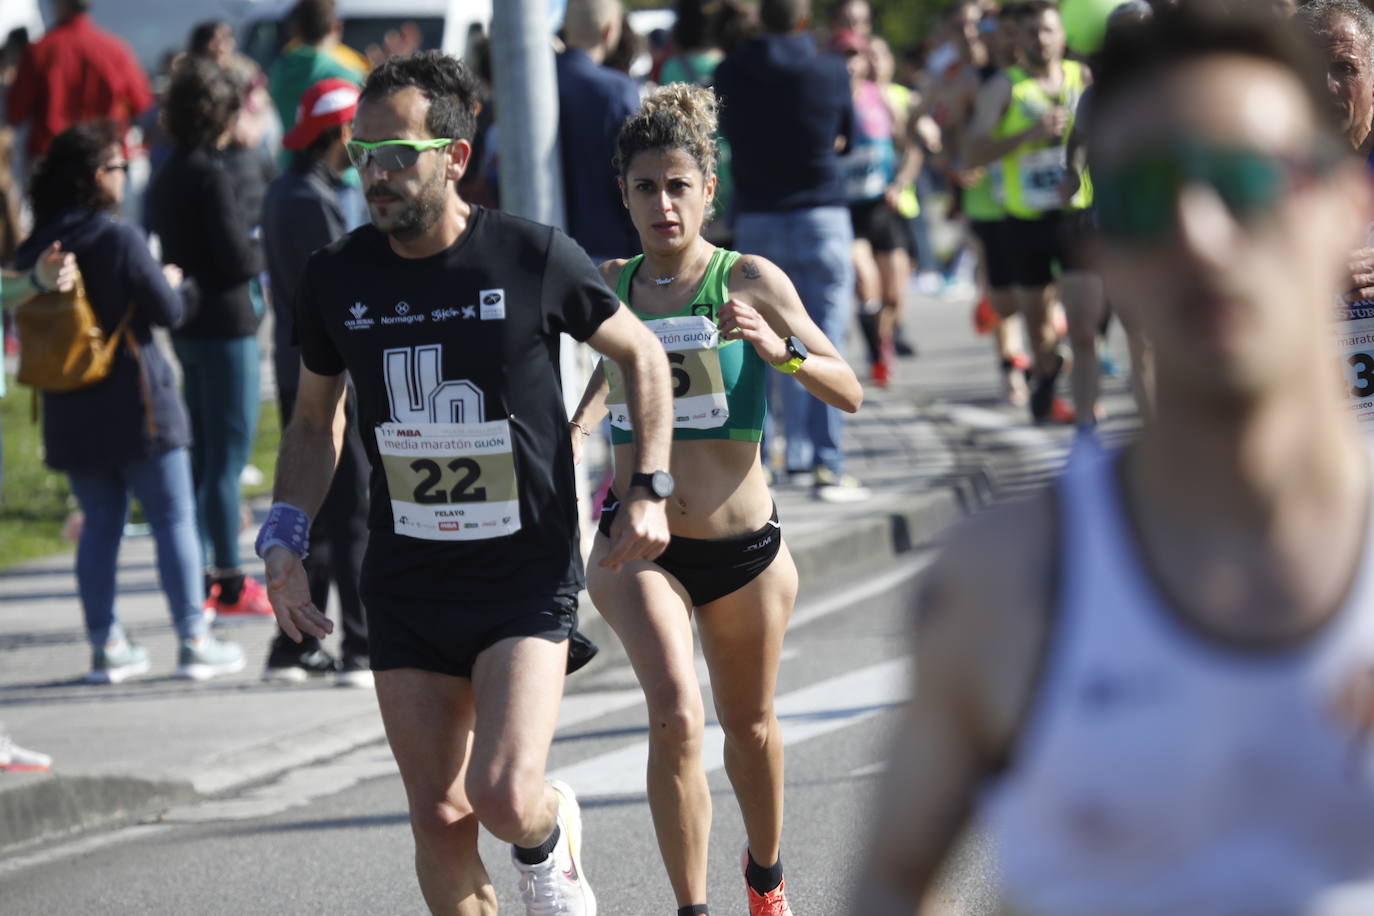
{"x":1136,"y":200}
{"x":391,"y":155}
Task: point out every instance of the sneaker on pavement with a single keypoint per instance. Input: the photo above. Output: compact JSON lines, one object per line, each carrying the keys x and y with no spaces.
{"x":839,"y":488}
{"x":354,"y":671}
{"x":16,"y":759}
{"x":773,"y":903}
{"x":114,"y":663}
{"x":287,"y":667}
{"x":252,"y":599}
{"x":210,"y":658}
{"x":557,"y":886}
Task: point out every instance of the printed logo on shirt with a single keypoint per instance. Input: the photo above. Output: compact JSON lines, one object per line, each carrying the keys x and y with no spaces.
{"x":402,"y":315}
{"x":466,"y":312}
{"x":493,"y":304}
{"x":359,"y":323}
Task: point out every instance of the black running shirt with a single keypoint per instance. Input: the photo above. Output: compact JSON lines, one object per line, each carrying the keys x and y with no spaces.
{"x":455,"y":362}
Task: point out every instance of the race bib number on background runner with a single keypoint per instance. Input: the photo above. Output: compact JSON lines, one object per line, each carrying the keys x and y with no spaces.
{"x":699,"y":400}
{"x":1355,"y":341}
{"x":450,"y":481}
{"x":1042,"y":175}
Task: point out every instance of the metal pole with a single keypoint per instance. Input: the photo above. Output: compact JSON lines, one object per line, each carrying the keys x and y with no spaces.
{"x":526,"y":91}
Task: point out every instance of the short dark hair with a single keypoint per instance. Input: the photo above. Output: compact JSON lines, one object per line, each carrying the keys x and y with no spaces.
{"x":1009,"y":11}
{"x":783,"y":16}
{"x":202,"y":35}
{"x":201,"y":103}
{"x":692,"y":29}
{"x":1029,"y":9}
{"x":312,"y":20}
{"x":1177,"y":38}
{"x":445,"y":81}
{"x":66,"y":175}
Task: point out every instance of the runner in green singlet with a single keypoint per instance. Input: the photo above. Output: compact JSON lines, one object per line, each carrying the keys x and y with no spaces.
{"x":724,"y":319}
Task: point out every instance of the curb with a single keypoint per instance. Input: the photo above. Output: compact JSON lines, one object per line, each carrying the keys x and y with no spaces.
{"x":46,"y":806}
{"x":41,"y":807}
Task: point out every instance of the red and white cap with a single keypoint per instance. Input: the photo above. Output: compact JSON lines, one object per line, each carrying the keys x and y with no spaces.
{"x":327,"y":103}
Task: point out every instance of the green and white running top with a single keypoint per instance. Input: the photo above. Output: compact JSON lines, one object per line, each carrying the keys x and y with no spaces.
{"x":718,"y":385}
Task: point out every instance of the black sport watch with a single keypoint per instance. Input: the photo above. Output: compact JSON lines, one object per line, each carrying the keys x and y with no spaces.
{"x":659,"y":483}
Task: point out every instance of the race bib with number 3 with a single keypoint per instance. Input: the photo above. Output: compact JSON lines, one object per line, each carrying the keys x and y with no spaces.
{"x":450,"y":481}
{"x":699,"y":399}
{"x":1355,"y":339}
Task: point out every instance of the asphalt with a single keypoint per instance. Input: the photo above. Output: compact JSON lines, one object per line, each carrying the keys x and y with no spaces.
{"x":126,"y":752}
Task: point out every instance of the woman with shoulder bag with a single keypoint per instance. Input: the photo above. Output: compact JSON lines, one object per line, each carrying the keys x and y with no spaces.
{"x":126,"y":433}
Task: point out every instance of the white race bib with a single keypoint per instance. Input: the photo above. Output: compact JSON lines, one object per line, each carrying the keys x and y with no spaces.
{"x":1355,"y":341}
{"x":1042,"y":174}
{"x":699,"y":400}
{"x":450,"y":481}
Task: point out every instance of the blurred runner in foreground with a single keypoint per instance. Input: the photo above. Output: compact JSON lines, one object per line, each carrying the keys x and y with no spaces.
{"x":1177,"y":719}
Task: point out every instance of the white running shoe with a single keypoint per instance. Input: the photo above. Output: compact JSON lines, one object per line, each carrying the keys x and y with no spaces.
{"x":557,"y":886}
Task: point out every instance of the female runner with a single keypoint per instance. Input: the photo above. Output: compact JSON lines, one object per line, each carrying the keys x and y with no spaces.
{"x":724,"y":319}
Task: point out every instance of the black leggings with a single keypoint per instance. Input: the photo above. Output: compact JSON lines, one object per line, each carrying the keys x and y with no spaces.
{"x":711,"y":568}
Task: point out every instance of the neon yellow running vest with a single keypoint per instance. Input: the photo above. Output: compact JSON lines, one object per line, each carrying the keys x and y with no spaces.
{"x":1033,"y":171}
{"x":718,"y":390}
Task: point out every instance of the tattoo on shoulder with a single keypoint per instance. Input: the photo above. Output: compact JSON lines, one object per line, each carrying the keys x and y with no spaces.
{"x":749,"y":269}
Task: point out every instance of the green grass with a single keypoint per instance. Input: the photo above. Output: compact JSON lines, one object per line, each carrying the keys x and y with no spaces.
{"x":35,"y":500}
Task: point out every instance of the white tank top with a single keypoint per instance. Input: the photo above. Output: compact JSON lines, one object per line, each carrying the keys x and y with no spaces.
{"x":1161,"y":771}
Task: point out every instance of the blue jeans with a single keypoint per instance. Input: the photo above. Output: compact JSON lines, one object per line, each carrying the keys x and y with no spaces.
{"x":221,"y":390}
{"x":163,"y":487}
{"x":813,"y":247}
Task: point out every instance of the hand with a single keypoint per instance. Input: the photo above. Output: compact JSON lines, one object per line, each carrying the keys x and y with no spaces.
{"x":173,"y":275}
{"x":892,"y":196}
{"x":969,"y":177}
{"x":56,"y":269}
{"x":578,"y":437}
{"x":1361,"y":275}
{"x":289,"y":592}
{"x":639,"y":532}
{"x":1052,"y":124}
{"x":739,"y":321}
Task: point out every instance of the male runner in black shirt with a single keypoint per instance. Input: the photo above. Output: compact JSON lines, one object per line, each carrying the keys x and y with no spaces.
{"x":447,"y":317}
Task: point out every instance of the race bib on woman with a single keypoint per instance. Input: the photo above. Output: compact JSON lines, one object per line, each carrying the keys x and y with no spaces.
{"x":699,"y":400}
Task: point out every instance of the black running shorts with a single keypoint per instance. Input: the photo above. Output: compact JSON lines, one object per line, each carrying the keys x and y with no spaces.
{"x":711,"y":568}
{"x":447,"y":636}
{"x":1037,"y":246}
{"x":882,"y":226}
{"x":996,"y":257}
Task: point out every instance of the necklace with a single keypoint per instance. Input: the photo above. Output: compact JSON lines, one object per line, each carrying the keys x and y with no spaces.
{"x":664,"y":281}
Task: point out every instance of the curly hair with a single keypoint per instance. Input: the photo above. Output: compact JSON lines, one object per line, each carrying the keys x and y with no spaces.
{"x":679,"y":116}
{"x":66,"y":175}
{"x":445,"y":81}
{"x":200,"y":104}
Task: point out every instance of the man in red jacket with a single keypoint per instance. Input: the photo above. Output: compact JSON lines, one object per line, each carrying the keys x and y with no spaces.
{"x":76,"y":73}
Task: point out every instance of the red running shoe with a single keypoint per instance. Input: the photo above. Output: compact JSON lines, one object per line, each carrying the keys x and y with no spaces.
{"x":1061,"y":413}
{"x":252,"y":599}
{"x":984,"y":318}
{"x":773,"y":903}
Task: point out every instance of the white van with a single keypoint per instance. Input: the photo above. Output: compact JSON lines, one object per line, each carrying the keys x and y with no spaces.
{"x":450,"y":25}
{"x":21,"y":14}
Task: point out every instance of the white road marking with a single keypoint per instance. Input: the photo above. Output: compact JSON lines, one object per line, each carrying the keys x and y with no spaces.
{"x":807,"y":713}
{"x":905,"y":569}
{"x":873,"y":769}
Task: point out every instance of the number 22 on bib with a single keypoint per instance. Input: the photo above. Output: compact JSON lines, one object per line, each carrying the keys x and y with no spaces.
{"x":448,"y":481}
{"x":699,"y":399}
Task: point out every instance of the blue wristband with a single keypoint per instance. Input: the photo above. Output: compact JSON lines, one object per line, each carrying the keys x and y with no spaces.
{"x":286,"y":526}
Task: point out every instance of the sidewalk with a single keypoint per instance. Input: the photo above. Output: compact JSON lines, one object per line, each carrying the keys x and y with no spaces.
{"x":126,"y":751}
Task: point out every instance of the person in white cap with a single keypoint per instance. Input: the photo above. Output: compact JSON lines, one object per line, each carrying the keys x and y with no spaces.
{"x":303,"y":212}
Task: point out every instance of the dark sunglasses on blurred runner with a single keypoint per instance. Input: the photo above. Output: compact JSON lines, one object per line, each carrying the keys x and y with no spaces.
{"x":119,"y":166}
{"x":1136,"y":200}
{"x":391,"y":155}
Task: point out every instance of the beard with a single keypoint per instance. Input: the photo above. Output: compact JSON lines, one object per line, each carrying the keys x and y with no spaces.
{"x":416,"y":215}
